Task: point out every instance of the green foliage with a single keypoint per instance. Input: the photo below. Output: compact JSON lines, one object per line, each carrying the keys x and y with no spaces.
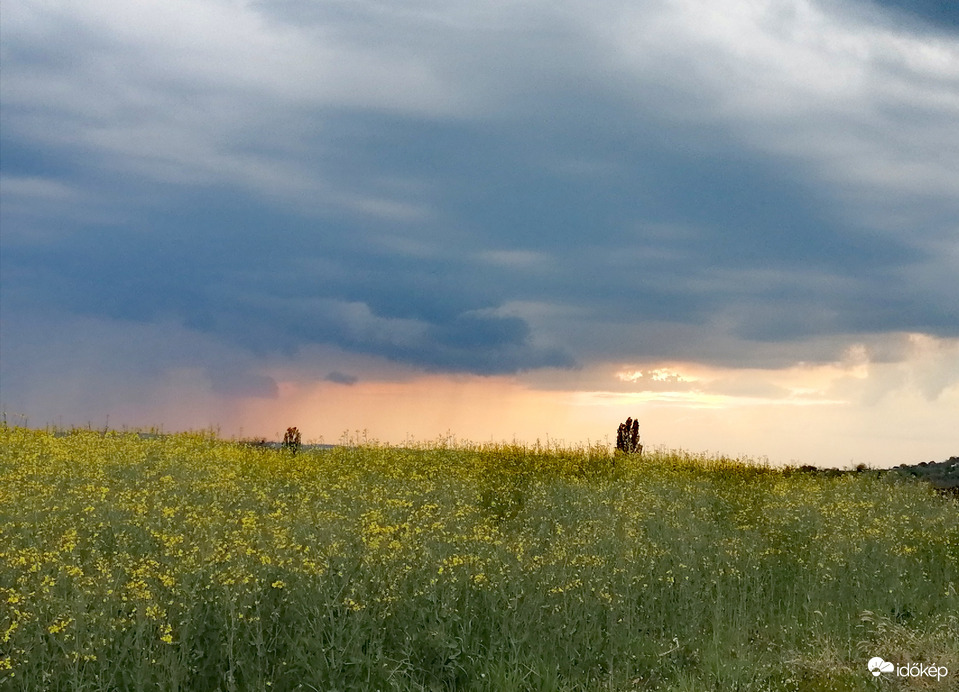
{"x":182,"y":562}
{"x":944,"y":475}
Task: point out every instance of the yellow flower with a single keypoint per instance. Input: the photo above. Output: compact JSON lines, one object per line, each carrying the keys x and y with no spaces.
{"x":59,"y":626}
{"x":155,"y":612}
{"x":6,"y":635}
{"x":278,"y":584}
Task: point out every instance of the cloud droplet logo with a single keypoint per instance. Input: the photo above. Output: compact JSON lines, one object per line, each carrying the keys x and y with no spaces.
{"x":878,"y":666}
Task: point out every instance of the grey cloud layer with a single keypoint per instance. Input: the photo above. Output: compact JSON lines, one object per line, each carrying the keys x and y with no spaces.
{"x":485,"y":188}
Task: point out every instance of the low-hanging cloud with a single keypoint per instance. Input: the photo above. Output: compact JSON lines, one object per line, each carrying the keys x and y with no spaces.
{"x":341,"y":378}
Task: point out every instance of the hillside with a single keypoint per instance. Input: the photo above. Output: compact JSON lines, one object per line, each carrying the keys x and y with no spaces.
{"x":943,"y":475}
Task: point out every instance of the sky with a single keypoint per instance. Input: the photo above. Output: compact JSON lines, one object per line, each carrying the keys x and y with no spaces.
{"x":510,"y":220}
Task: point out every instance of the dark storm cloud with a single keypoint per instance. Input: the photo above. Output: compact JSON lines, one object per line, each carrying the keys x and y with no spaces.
{"x":487,"y":190}
{"x":276,"y":291}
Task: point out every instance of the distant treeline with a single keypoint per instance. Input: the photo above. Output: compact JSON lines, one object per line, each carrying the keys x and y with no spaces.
{"x":942,"y":475}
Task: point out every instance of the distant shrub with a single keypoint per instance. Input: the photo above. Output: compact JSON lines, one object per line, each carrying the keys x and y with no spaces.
{"x":291,"y":440}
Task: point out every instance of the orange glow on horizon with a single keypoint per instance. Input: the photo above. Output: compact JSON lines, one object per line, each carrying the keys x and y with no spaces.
{"x":826,"y":414}
{"x":426,"y":408}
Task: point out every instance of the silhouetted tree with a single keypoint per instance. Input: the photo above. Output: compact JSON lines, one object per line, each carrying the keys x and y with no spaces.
{"x":627,"y":437}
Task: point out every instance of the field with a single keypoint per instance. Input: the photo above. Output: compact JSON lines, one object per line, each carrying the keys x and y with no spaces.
{"x":184,"y":562}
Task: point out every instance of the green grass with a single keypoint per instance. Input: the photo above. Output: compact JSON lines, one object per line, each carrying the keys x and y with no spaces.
{"x":184,"y":562}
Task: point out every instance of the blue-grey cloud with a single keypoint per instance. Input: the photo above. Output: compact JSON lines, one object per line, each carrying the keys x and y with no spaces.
{"x":943,"y":15}
{"x":341,"y":378}
{"x":486,"y":190}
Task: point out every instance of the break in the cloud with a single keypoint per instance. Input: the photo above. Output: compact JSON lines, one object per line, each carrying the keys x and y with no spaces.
{"x":559,"y":189}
